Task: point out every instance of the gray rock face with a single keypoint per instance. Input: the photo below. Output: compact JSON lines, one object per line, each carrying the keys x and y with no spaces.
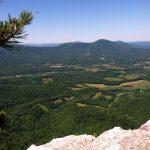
{"x":114,"y":139}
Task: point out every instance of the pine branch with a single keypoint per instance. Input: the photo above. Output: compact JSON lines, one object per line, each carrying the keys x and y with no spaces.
{"x":13,"y":29}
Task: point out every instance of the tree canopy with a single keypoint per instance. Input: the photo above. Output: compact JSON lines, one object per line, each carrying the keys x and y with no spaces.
{"x":14,"y":28}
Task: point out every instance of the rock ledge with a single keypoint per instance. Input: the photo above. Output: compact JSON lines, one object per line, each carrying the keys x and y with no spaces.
{"x":114,"y":139}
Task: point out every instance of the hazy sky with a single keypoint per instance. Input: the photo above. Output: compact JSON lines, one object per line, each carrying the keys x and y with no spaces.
{"x":83,"y":20}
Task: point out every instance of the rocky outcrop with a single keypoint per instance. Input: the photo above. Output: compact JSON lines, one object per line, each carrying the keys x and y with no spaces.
{"x":114,"y":139}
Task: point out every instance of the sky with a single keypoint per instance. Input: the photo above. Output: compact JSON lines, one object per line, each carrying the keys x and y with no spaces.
{"x":59,"y":21}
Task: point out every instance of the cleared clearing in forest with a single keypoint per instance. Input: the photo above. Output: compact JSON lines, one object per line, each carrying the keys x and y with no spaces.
{"x":97,"y":95}
{"x":112,"y":79}
{"x":99,"y":86}
{"x":47,"y":80}
{"x":139,"y":84}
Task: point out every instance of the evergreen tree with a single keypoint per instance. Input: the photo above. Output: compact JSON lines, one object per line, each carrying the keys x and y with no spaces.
{"x":13,"y":29}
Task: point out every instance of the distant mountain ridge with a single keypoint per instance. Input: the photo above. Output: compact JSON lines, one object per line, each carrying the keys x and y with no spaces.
{"x":138,"y":44}
{"x":75,"y":53}
{"x":141,"y":44}
{"x":101,"y":42}
{"x":98,"y":46}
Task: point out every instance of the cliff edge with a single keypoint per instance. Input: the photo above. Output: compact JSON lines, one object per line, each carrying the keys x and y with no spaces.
{"x":114,"y":139}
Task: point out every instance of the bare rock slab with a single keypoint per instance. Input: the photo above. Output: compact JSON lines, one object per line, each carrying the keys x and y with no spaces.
{"x":114,"y":139}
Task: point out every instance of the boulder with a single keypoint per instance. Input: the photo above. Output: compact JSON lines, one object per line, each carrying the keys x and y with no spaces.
{"x":114,"y":139}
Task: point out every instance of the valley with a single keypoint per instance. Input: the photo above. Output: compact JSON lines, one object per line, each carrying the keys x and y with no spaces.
{"x":74,"y":88}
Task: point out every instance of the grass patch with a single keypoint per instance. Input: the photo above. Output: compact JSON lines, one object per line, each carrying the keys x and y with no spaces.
{"x":44,"y":108}
{"x":47,"y":80}
{"x":147,"y":62}
{"x":112,"y":79}
{"x":92,"y":106}
{"x":139,"y":84}
{"x":128,"y":76}
{"x":81,"y":86}
{"x":97,"y":95}
{"x":122,"y":77}
{"x":58,"y":101}
{"x":108,"y":97}
{"x":81,"y":105}
{"x":113,"y":67}
{"x":99,"y":86}
{"x":76,"y":89}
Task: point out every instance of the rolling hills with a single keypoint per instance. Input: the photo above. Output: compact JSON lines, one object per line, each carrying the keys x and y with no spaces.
{"x":73,"y":88}
{"x":84,"y":54}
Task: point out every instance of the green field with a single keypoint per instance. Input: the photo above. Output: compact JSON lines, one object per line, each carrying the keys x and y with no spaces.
{"x":40,"y":108}
{"x":75,"y":88}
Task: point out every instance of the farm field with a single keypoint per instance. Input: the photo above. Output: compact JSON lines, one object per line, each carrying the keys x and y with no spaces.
{"x":73,"y":102}
{"x":48,"y":93}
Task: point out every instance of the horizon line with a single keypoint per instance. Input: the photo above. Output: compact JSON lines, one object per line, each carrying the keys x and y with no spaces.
{"x":39,"y":43}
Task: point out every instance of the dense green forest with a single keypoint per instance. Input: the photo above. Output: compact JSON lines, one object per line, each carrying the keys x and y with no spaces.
{"x":74,"y":88}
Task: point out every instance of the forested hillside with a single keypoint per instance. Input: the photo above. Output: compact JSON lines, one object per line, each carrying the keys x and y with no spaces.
{"x":31,"y":60}
{"x":73,"y":88}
